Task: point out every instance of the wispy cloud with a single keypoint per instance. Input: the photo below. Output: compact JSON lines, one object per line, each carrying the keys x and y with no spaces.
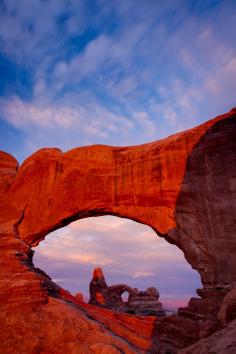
{"x":25,"y":114}
{"x":123,"y":75}
{"x":85,"y":122}
{"x":29,"y":37}
{"x":143,"y":274}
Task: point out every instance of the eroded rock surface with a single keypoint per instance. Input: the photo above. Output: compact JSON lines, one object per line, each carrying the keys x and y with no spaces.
{"x":183,"y":186}
{"x":221,"y":342}
{"x":8,"y":170}
{"x":145,"y":303}
{"x":227,"y":311}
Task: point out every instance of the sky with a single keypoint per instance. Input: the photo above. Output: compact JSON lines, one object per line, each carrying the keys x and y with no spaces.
{"x":116,"y":72}
{"x":128,"y":253}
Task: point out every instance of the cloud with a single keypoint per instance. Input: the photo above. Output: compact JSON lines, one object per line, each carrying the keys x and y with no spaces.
{"x":110,"y":77}
{"x":29,"y":37}
{"x":73,"y":121}
{"x":76,"y":257}
{"x":23,"y":114}
{"x":99,"y":58}
{"x":143,"y":274}
{"x":84,"y":120}
{"x":95,"y":54}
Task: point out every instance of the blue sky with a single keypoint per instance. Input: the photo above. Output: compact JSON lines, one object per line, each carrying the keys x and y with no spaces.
{"x":77,"y":72}
{"x":117,"y":72}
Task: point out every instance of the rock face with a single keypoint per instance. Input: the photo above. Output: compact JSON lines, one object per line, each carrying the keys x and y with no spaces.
{"x":183,"y":186}
{"x":79,"y":297}
{"x":97,"y":287}
{"x":227,"y":311}
{"x":8,"y":170}
{"x":221,"y":342}
{"x":143,"y":303}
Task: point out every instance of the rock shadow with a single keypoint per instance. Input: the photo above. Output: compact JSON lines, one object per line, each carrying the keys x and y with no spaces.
{"x":206,"y":211}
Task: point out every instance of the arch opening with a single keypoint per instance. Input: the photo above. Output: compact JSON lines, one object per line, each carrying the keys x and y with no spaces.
{"x":125,"y":296}
{"x":129,"y":253}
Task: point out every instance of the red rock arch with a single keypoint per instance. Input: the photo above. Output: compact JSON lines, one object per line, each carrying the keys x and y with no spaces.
{"x":125,"y":296}
{"x":148,"y":183}
{"x":182,"y":186}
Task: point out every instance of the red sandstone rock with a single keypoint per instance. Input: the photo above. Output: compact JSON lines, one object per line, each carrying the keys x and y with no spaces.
{"x":183,"y":186}
{"x":101,"y":348}
{"x":221,"y":342}
{"x":145,"y":303}
{"x":164,"y":184}
{"x":79,"y":297}
{"x":96,"y":288}
{"x":227,"y":311}
{"x":8,"y":169}
{"x":139,"y":302}
{"x":56,"y":327}
{"x":148,"y":333}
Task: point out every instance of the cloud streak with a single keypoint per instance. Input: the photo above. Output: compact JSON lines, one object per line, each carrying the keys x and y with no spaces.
{"x":124,"y":75}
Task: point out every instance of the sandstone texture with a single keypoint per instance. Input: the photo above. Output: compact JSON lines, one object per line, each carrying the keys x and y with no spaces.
{"x":143,"y":303}
{"x":8,"y":170}
{"x":227,"y":311}
{"x":221,"y":342}
{"x":183,"y":186}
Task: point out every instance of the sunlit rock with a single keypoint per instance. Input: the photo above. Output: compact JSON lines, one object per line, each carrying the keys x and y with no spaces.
{"x":184,"y":187}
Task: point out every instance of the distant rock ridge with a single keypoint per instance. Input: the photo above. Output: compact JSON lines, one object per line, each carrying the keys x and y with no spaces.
{"x":142,"y":303}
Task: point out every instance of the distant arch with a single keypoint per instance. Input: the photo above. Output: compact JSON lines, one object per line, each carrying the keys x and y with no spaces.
{"x":125,"y":296}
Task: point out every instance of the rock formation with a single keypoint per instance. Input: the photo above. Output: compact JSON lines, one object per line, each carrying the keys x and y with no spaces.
{"x":183,"y":186}
{"x":221,"y":342}
{"x":79,"y":297}
{"x":96,"y":288}
{"x":144,"y":303}
{"x":227,"y":311}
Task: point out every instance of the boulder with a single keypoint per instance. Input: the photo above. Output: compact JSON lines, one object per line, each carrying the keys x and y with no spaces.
{"x":79,"y":297}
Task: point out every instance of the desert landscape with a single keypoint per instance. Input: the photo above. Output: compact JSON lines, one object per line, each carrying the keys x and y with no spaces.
{"x":117,"y":177}
{"x":51,"y":189}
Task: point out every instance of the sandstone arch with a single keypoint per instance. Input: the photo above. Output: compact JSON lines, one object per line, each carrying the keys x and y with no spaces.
{"x":183,"y":186}
{"x":146,"y":183}
{"x":125,"y":296}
